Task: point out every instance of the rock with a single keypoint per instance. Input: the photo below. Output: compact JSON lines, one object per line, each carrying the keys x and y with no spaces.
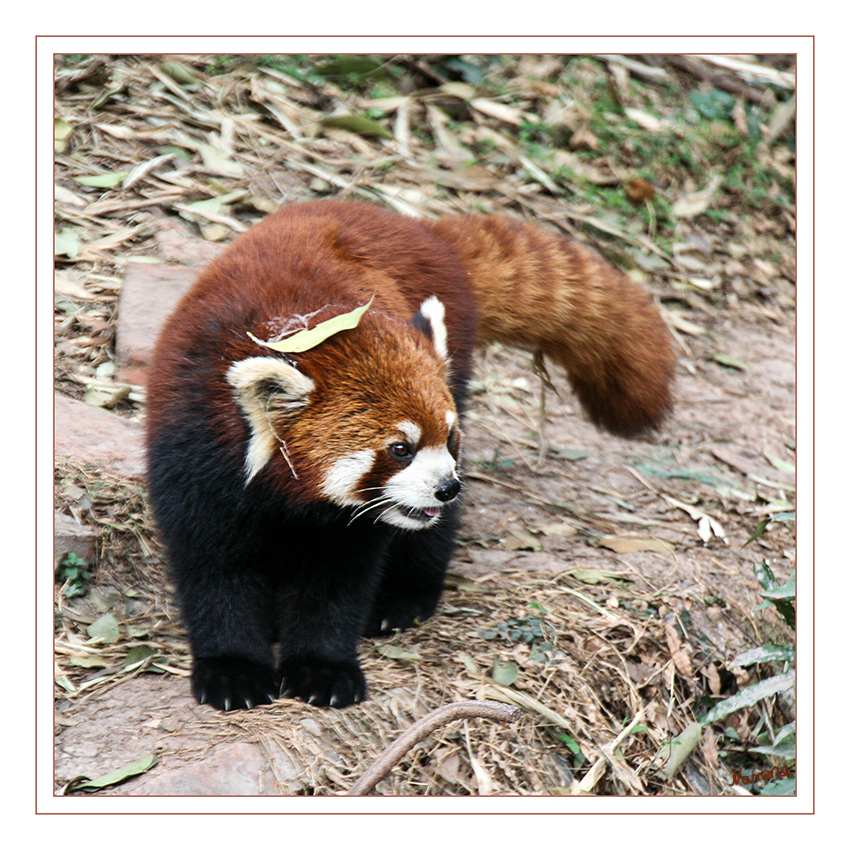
{"x":239,"y":769}
{"x":96,"y":436}
{"x":177,"y":244}
{"x":197,"y":753}
{"x":149,"y":295}
{"x":71,"y":537}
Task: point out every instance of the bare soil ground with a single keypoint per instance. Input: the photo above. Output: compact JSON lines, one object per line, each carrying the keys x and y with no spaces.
{"x":601,"y":584}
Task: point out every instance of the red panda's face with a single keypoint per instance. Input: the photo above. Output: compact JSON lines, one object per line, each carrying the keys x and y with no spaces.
{"x":406,"y":479}
{"x":367,"y":417}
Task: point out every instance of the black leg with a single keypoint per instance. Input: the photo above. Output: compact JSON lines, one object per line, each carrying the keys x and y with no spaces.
{"x":227,"y":611}
{"x":322,"y":608}
{"x":413,"y":576}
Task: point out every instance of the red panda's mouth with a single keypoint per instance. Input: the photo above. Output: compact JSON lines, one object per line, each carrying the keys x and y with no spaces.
{"x":422,"y":514}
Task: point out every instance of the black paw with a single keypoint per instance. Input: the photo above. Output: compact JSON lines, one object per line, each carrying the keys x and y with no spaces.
{"x":231,"y":683}
{"x":321,"y":682}
{"x":385,"y":620}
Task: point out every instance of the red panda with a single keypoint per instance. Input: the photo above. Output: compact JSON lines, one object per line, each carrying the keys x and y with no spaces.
{"x":308,"y":499}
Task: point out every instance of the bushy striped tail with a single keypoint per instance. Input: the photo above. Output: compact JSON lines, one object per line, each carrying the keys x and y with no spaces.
{"x":539,"y":291}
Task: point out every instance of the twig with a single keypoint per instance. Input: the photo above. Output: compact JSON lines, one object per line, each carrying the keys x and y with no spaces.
{"x":721,"y":81}
{"x":422,"y":729}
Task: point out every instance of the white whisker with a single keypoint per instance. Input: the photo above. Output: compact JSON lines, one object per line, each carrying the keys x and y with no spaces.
{"x":384,"y":513}
{"x":372,"y":504}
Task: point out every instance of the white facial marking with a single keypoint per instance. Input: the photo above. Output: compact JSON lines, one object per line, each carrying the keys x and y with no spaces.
{"x":268,"y":390}
{"x":434,"y":311}
{"x":451,"y":418}
{"x":414,"y":487}
{"x":341,"y":479}
{"x":410,"y":430}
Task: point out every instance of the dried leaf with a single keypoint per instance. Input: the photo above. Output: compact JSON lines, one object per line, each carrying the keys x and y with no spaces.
{"x":780,"y":464}
{"x":690,"y":206}
{"x":729,"y":360}
{"x":639,"y":191}
{"x":217,"y":161}
{"x":63,"y":285}
{"x":519,"y":539}
{"x":62,"y":131}
{"x":66,"y":243}
{"x":144,"y":168}
{"x":647,"y":121}
{"x":106,"y":396}
{"x":359,"y":124}
{"x":133,"y":769}
{"x":310,"y":338}
{"x":529,"y":703}
{"x":86,"y":661}
{"x":105,"y":629}
{"x":684,"y":325}
{"x":462,"y":91}
{"x":561,"y":529}
{"x":593,"y":576}
{"x":621,"y":545}
{"x":103,"y":181}
{"x":763,"y":654}
{"x":117,"y":131}
{"x":180,"y":73}
{"x":707,"y":525}
{"x":210,"y":208}
{"x":399,"y":653}
{"x":501,"y":111}
{"x":482,"y":777}
{"x":584,"y":137}
{"x":214,"y":232}
{"x":504,"y":672}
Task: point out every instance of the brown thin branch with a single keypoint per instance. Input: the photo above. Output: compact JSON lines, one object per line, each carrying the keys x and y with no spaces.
{"x":421,"y":729}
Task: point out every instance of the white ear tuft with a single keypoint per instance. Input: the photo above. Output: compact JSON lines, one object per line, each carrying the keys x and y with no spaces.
{"x":269,"y":391}
{"x":433,"y":310}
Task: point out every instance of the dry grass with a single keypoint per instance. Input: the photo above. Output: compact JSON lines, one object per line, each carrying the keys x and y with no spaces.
{"x":611,"y":661}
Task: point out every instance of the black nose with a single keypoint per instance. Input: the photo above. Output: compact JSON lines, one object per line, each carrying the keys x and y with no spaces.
{"x":448,"y":490}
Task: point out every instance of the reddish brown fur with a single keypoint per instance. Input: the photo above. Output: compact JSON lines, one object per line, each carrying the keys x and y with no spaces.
{"x":377,"y":360}
{"x":540,"y":291}
{"x":280,"y":482}
{"x":531,"y":288}
{"x":334,"y":256}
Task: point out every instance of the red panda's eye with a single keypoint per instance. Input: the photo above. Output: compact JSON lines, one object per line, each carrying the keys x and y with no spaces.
{"x":402,"y":451}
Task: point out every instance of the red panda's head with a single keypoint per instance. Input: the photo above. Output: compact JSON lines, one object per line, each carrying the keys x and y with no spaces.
{"x":365,"y":420}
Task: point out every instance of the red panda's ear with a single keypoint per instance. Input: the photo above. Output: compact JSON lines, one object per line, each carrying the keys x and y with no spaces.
{"x":431,"y":320}
{"x":270,"y":392}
